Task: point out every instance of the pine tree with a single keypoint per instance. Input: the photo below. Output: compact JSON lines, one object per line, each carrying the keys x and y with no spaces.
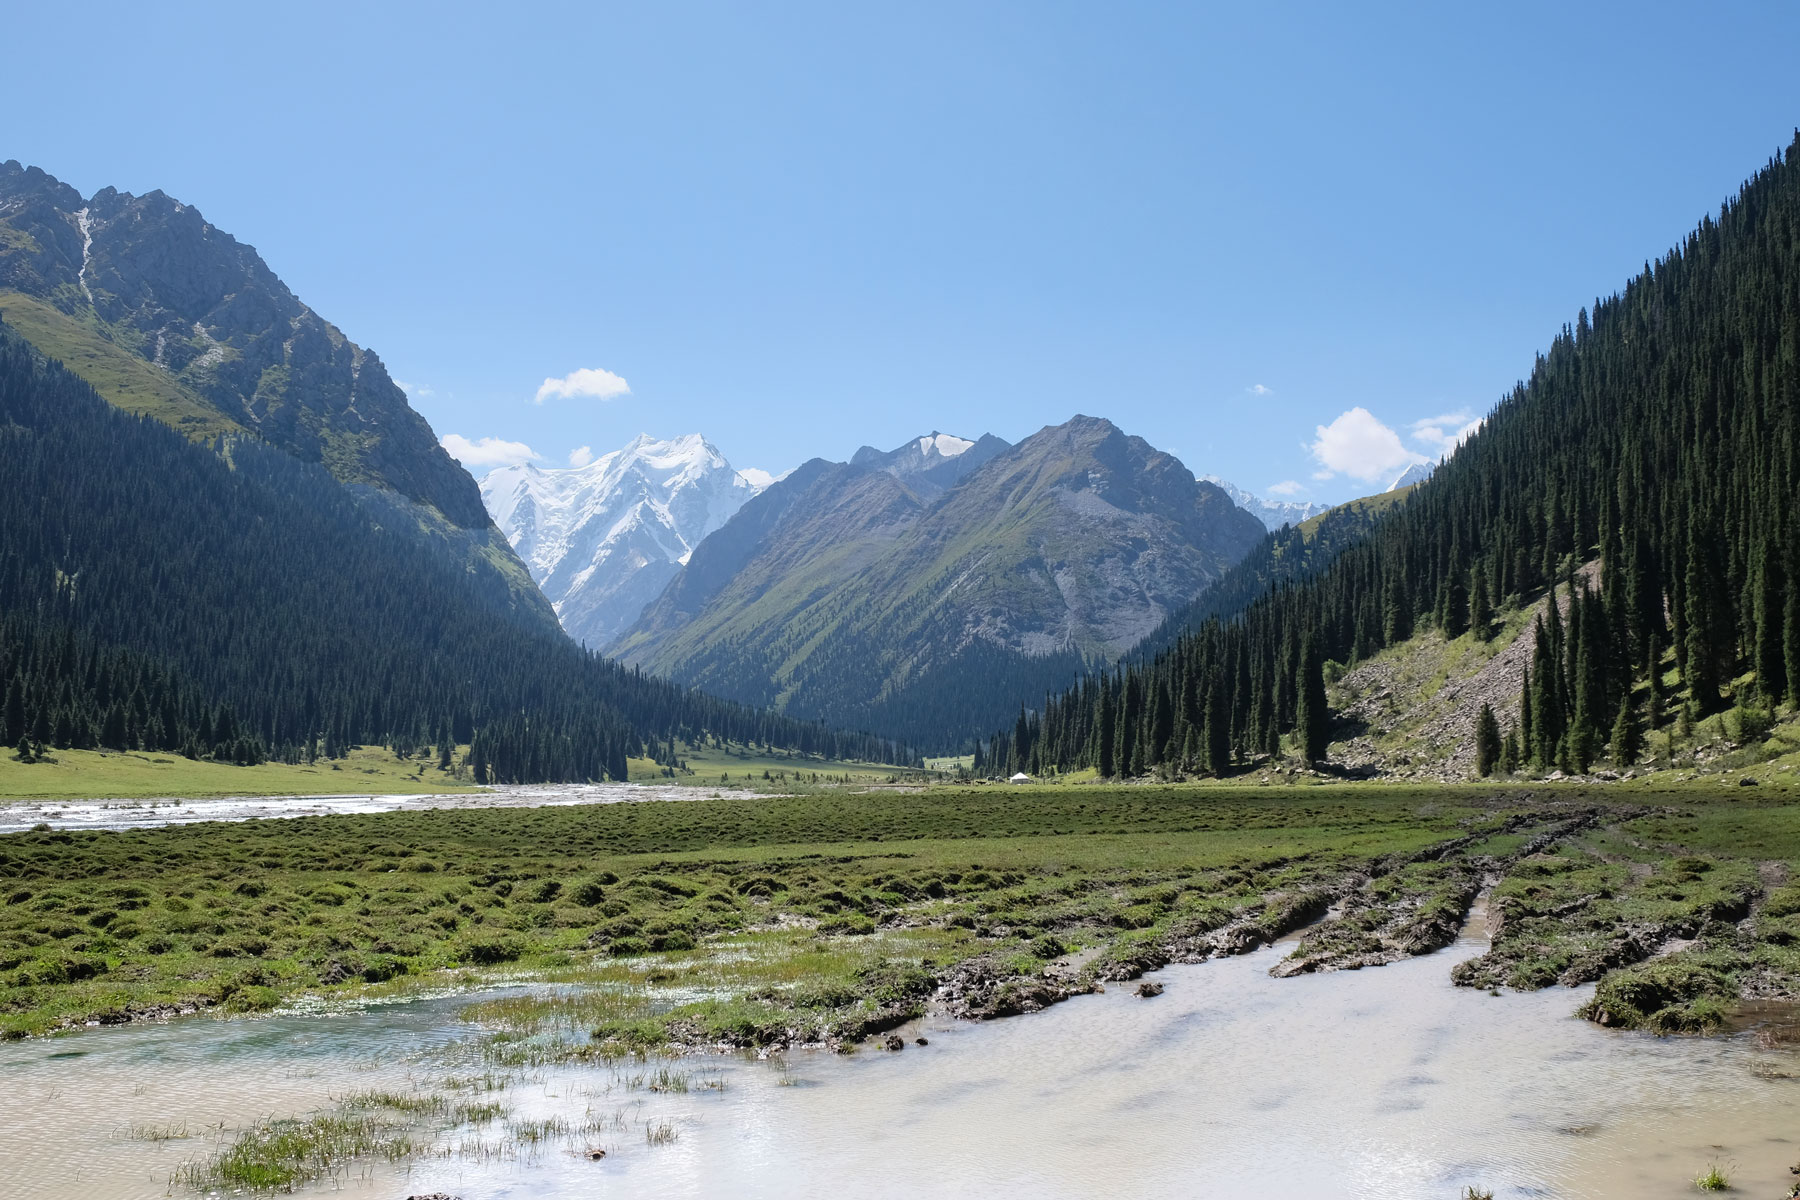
{"x":1527,"y":742}
{"x":1770,"y":659}
{"x":1481,"y":607}
{"x":1487,"y":742}
{"x":1704,"y":620}
{"x":1511,"y":755}
{"x":1655,"y":677}
{"x":1107,"y":758}
{"x":1312,"y":724}
{"x":12,"y":715}
{"x":1626,"y":744}
{"x":1791,"y":621}
{"x":1453,"y":606}
{"x":1218,"y":734}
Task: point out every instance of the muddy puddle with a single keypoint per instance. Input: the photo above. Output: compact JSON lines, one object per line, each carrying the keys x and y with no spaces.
{"x":1386,"y":1082}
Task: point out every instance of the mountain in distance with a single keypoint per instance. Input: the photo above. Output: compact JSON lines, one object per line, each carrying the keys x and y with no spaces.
{"x":933,"y":463}
{"x":602,"y":540}
{"x":167,"y":316}
{"x":863,"y":593}
{"x":1272,"y":513}
{"x":1417,"y":473}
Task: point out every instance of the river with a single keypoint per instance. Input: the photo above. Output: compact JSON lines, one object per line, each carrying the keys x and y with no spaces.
{"x":1386,"y":1082}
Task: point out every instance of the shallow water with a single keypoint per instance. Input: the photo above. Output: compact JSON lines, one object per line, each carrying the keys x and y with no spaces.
{"x":147,"y":814}
{"x":1386,"y":1082}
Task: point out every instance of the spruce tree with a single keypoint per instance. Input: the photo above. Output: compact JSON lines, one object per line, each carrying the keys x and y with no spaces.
{"x":1657,"y":697}
{"x":1453,"y":610}
{"x":1705,"y":591}
{"x":1769,"y":653}
{"x":1107,"y":732}
{"x":1524,"y":730}
{"x":1481,"y":607}
{"x":1626,"y":745}
{"x":1487,"y":742}
{"x":1218,"y":734}
{"x":1791,"y":621}
{"x":12,"y":715}
{"x":1312,"y":724}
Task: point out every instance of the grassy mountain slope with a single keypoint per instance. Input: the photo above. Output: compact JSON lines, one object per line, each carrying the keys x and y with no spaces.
{"x":81,"y":343}
{"x":844,"y":591}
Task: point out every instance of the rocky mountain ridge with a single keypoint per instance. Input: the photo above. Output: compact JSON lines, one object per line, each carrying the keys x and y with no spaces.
{"x":850,"y":591}
{"x":604,"y":539}
{"x":168,"y":316}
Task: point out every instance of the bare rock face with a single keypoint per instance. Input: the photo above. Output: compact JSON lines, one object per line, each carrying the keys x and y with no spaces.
{"x":150,"y":275}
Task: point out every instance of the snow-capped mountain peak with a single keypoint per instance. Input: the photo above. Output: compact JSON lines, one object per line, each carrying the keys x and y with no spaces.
{"x":933,"y":462}
{"x":602,"y":539}
{"x":1417,"y":473}
{"x":1272,"y":513}
{"x":945,"y":445}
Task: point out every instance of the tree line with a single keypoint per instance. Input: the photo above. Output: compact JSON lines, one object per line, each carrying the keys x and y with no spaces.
{"x":1656,"y":436}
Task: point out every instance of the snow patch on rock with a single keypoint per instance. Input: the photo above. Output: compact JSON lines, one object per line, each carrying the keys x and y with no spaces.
{"x":603,"y":539}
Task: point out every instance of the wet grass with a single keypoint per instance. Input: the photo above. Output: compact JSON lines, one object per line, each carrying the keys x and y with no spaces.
{"x":110,"y":926}
{"x":829,"y":917}
{"x":280,"y":1155}
{"x":1713,"y":1179}
{"x":1676,"y":912}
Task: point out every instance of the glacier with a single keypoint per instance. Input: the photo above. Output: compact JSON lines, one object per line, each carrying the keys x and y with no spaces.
{"x":602,"y":540}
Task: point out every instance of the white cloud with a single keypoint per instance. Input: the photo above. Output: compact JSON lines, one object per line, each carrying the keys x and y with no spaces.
{"x":1287,"y":487}
{"x":415,"y":391}
{"x":581,"y":456}
{"x":590,"y":382}
{"x":486,"y":452}
{"x":1361,"y":447}
{"x":1442,"y":434}
{"x":756,"y":477}
{"x":1257,"y":389}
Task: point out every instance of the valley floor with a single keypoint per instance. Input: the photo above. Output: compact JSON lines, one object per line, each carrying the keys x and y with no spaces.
{"x":95,"y":774}
{"x":374,"y":770}
{"x":835,"y":917}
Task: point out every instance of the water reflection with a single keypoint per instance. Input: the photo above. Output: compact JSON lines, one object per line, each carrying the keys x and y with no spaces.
{"x":1384,"y":1082}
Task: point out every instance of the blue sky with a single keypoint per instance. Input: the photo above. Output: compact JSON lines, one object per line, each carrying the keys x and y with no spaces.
{"x":798,"y":228}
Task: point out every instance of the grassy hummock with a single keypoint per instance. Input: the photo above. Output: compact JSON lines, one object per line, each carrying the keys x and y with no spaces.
{"x":829,"y":916}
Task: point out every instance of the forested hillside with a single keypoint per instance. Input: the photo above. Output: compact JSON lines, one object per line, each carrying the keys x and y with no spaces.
{"x":231,"y":600}
{"x":168,"y":316}
{"x":1657,"y":435}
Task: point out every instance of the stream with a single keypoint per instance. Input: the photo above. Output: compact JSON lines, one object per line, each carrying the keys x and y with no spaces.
{"x":1386,"y":1082}
{"x":19,"y":815}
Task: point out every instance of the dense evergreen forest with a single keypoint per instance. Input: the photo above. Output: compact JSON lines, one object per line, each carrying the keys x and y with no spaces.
{"x":233,"y":602}
{"x":1658,"y":436}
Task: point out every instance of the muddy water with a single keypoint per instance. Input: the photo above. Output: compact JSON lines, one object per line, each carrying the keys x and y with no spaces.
{"x":148,"y":814}
{"x":1378,"y":1083}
